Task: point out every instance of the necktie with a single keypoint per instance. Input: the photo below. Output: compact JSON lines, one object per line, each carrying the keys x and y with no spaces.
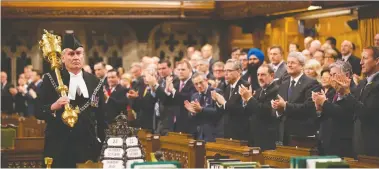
{"x":109,"y":91}
{"x":202,"y":99}
{"x":260,"y":94}
{"x":291,"y":88}
{"x":231,"y":92}
{"x":364,"y":87}
{"x":181,"y":86}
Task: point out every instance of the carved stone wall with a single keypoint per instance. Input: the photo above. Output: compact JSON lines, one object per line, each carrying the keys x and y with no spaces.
{"x":170,"y":39}
{"x":116,"y":42}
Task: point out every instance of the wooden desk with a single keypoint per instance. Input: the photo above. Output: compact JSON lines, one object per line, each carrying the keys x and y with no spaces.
{"x":149,"y":142}
{"x":363,"y":162}
{"x":234,"y":149}
{"x":281,"y":156}
{"x":181,"y":147}
{"x":28,"y":153}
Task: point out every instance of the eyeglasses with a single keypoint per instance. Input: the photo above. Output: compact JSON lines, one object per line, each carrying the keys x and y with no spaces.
{"x":230,"y":70}
{"x":218,"y":70}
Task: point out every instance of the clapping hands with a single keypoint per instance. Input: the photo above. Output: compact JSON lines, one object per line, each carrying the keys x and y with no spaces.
{"x":246,"y":93}
{"x":169,"y":85}
{"x":193,"y":107}
{"x":343,"y":83}
{"x":319,"y":99}
{"x":132,"y":94}
{"x":279,"y":104}
{"x":218,"y":98}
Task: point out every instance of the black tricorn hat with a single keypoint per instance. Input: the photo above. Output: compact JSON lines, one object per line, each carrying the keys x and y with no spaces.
{"x":70,"y":41}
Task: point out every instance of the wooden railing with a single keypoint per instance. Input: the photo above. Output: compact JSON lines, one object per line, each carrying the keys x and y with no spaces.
{"x":280,"y":157}
{"x":234,"y":149}
{"x":181,"y":147}
{"x":28,"y":152}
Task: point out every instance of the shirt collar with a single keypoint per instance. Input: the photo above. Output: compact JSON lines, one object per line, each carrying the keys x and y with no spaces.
{"x":80,"y":74}
{"x":277,"y":66}
{"x":244,"y":72}
{"x":39,"y":81}
{"x":209,"y":59}
{"x":345,"y":58}
{"x":77,"y":83}
{"x":371,"y":77}
{"x":185,"y":82}
{"x":235,"y":83}
{"x":296,"y":79}
{"x":205,"y":90}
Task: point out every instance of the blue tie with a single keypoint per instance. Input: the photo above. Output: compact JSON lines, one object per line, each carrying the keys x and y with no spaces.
{"x":291,"y":88}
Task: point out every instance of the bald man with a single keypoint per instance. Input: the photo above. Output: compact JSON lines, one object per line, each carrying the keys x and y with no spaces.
{"x":376,"y":40}
{"x":307,"y":42}
{"x":347,"y":56}
{"x":315,"y":45}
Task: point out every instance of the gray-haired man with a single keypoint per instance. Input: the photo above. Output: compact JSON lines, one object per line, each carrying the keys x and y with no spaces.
{"x":294,"y":105}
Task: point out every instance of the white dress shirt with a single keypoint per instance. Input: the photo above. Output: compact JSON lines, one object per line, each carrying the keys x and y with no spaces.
{"x":296,"y":79}
{"x":345,"y":58}
{"x":276,"y":67}
{"x":77,"y":85}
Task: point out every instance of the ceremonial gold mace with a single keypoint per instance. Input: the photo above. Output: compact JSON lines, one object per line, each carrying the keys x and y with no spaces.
{"x":50,"y":45}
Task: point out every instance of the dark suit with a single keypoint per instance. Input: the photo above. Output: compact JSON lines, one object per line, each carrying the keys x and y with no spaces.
{"x":21,"y":103}
{"x":174,"y":109}
{"x":68,"y":146}
{"x":144,"y":105}
{"x":138,"y":84}
{"x":208,"y":120}
{"x":211,"y":62}
{"x":263,"y":123}
{"x":210,"y":76}
{"x":116,"y":103}
{"x":300,"y":113}
{"x":30,"y":100}
{"x":355,"y":64}
{"x":366,"y":118}
{"x":236,"y":121}
{"x":282,"y":69}
{"x":7,"y":100}
{"x":245,"y":76}
{"x":222,"y":84}
{"x":336,"y":126}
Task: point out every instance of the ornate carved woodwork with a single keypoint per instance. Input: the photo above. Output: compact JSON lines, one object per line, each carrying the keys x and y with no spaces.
{"x":108,"y":9}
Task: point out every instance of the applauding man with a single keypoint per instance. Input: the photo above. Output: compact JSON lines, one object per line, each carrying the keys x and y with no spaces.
{"x":230,"y":104}
{"x":336,"y":115}
{"x":203,"y":109}
{"x":366,"y":126}
{"x":263,"y":123}
{"x":294,"y":105}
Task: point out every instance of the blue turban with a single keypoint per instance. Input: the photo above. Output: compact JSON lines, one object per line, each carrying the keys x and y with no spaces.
{"x":258,"y":53}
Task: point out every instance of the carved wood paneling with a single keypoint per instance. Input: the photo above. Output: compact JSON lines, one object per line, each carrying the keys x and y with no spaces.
{"x":231,"y":10}
{"x":107,"y":9}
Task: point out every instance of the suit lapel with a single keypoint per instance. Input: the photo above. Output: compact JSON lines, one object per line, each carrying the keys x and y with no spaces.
{"x":227,"y":92}
{"x":297,"y":89}
{"x":235,"y":90}
{"x":286,"y":83}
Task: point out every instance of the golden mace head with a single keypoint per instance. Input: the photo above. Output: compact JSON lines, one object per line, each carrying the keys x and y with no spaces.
{"x":50,"y":45}
{"x":70,"y":116}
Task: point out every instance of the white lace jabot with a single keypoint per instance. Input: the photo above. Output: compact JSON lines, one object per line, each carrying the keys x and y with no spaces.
{"x":77,"y":85}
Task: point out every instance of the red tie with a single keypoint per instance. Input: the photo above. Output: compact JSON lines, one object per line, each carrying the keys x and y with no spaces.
{"x":109,"y":91}
{"x":182,"y":84}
